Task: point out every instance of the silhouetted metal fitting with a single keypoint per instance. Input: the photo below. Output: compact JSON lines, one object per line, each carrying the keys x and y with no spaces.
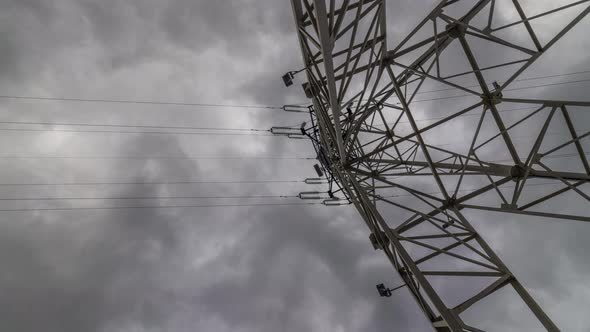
{"x":302,"y":128}
{"x":288,"y":79}
{"x":383,"y":291}
{"x":349,"y":111}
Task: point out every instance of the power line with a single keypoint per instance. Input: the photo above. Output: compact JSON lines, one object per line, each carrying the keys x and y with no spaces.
{"x":197,"y":133}
{"x":172,"y":103}
{"x":186,"y":197}
{"x":157,"y":207}
{"x":141,"y":102}
{"x":85,"y":124}
{"x":252,"y":131}
{"x":150,"y":183}
{"x":144,"y":197}
{"x":158,"y":157}
{"x":135,"y":132}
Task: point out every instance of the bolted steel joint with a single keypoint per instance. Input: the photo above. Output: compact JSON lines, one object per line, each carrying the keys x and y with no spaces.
{"x":388,"y":59}
{"x":450,"y":203}
{"x":517,"y":171}
{"x":493,"y":98}
{"x":455,"y":30}
{"x":390,"y":134}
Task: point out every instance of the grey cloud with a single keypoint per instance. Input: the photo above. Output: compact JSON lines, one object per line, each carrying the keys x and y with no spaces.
{"x":206,"y":269}
{"x":81,"y":271}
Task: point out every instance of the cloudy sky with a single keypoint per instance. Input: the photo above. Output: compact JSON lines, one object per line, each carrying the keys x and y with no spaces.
{"x":233,"y":268}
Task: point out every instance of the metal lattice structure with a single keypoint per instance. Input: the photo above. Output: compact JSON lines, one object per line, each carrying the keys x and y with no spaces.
{"x":412,"y":187}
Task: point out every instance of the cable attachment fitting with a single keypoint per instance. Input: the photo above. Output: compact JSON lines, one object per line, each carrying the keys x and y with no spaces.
{"x":494,"y":97}
{"x":386,"y":292}
{"x":289,"y":76}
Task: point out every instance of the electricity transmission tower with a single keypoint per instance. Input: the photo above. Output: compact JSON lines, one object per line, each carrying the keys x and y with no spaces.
{"x":417,"y":182}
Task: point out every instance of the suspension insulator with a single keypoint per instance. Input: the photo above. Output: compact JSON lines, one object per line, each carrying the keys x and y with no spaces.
{"x":336,"y":202}
{"x":296,"y":136}
{"x":295,"y":109}
{"x":315,"y":181}
{"x":311,"y":195}
{"x":287,"y":131}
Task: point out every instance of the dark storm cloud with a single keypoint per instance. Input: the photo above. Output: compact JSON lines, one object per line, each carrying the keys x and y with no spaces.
{"x":228,"y":269}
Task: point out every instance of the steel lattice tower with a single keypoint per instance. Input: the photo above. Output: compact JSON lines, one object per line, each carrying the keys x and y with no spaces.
{"x":413,"y":191}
